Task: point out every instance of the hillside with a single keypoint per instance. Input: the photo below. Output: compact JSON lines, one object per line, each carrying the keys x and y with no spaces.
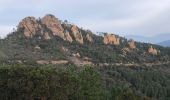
{"x":49,"y":40}
{"x":50,"y":59}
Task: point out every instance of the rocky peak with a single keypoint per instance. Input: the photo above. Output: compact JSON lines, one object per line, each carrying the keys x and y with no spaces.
{"x":53,"y":24}
{"x":77,"y":35}
{"x":132,"y":44}
{"x":30,"y":26}
{"x":111,"y":39}
{"x":152,"y":51}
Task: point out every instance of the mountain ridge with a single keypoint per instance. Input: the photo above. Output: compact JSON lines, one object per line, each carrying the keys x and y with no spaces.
{"x":150,"y":39}
{"x":165,"y":43}
{"x":50,"y":40}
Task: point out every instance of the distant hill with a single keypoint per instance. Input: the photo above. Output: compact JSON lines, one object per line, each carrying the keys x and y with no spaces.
{"x":152,"y":39}
{"x":165,"y":43}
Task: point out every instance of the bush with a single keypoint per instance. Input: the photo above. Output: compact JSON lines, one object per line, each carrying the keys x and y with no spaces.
{"x":20,"y":82}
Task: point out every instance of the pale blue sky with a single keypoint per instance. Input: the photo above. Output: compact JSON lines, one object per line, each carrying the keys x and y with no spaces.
{"x":129,"y":17}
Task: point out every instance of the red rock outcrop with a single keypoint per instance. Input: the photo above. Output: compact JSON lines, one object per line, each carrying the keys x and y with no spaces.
{"x":76,"y":55}
{"x":37,"y":47}
{"x":68,"y":37}
{"x":152,"y":51}
{"x":53,"y":24}
{"x":30,"y":26}
{"x":132,"y":44}
{"x":111,"y":39}
{"x":89,"y":38}
{"x":77,"y":35}
{"x":47,"y":36}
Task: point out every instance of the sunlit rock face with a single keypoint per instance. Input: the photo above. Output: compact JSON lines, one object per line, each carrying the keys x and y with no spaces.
{"x":49,"y":26}
{"x":68,"y":37}
{"x":152,"y":51}
{"x":77,"y":35}
{"x":132,"y":44}
{"x":111,"y":39}
{"x":53,"y":24}
{"x":47,"y":36}
{"x":30,"y":26}
{"x":89,"y":36}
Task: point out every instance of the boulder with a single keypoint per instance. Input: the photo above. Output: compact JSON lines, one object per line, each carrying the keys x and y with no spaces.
{"x":68,"y":37}
{"x":47,"y":36}
{"x":132,"y":44}
{"x":152,"y":51}
{"x":37,"y":47}
{"x":111,"y":39}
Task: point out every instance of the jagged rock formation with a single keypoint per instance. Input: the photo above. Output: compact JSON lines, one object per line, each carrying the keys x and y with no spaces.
{"x":89,"y":38}
{"x":76,"y":55}
{"x":152,"y":51}
{"x":46,"y":36}
{"x":53,"y":24}
{"x":132,"y":44}
{"x":56,"y":62}
{"x":68,"y":37}
{"x":50,"y":25}
{"x":77,"y":35}
{"x":111,"y":39}
{"x":30,"y":26}
{"x":49,"y":40}
{"x":37,"y":47}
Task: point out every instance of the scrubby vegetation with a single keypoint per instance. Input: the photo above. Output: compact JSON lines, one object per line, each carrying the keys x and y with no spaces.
{"x":20,"y":82}
{"x":49,"y":82}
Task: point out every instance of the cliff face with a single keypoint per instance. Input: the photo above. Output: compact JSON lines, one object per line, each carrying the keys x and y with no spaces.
{"x":30,"y":26}
{"x":152,"y":51}
{"x":53,"y":24}
{"x":77,"y":35}
{"x":89,"y":38}
{"x":46,"y":36}
{"x":49,"y":26}
{"x":132,"y":44}
{"x":68,"y":37}
{"x":111,"y":39}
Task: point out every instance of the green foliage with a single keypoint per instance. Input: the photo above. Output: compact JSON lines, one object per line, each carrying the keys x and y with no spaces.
{"x":137,"y":82}
{"x":19,"y":82}
{"x":90,"y":81}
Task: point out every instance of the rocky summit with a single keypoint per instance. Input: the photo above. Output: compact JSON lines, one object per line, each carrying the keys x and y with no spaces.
{"x":49,"y":26}
{"x":30,"y":26}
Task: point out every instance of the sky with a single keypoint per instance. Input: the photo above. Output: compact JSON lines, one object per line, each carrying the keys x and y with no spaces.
{"x":122,"y":17}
